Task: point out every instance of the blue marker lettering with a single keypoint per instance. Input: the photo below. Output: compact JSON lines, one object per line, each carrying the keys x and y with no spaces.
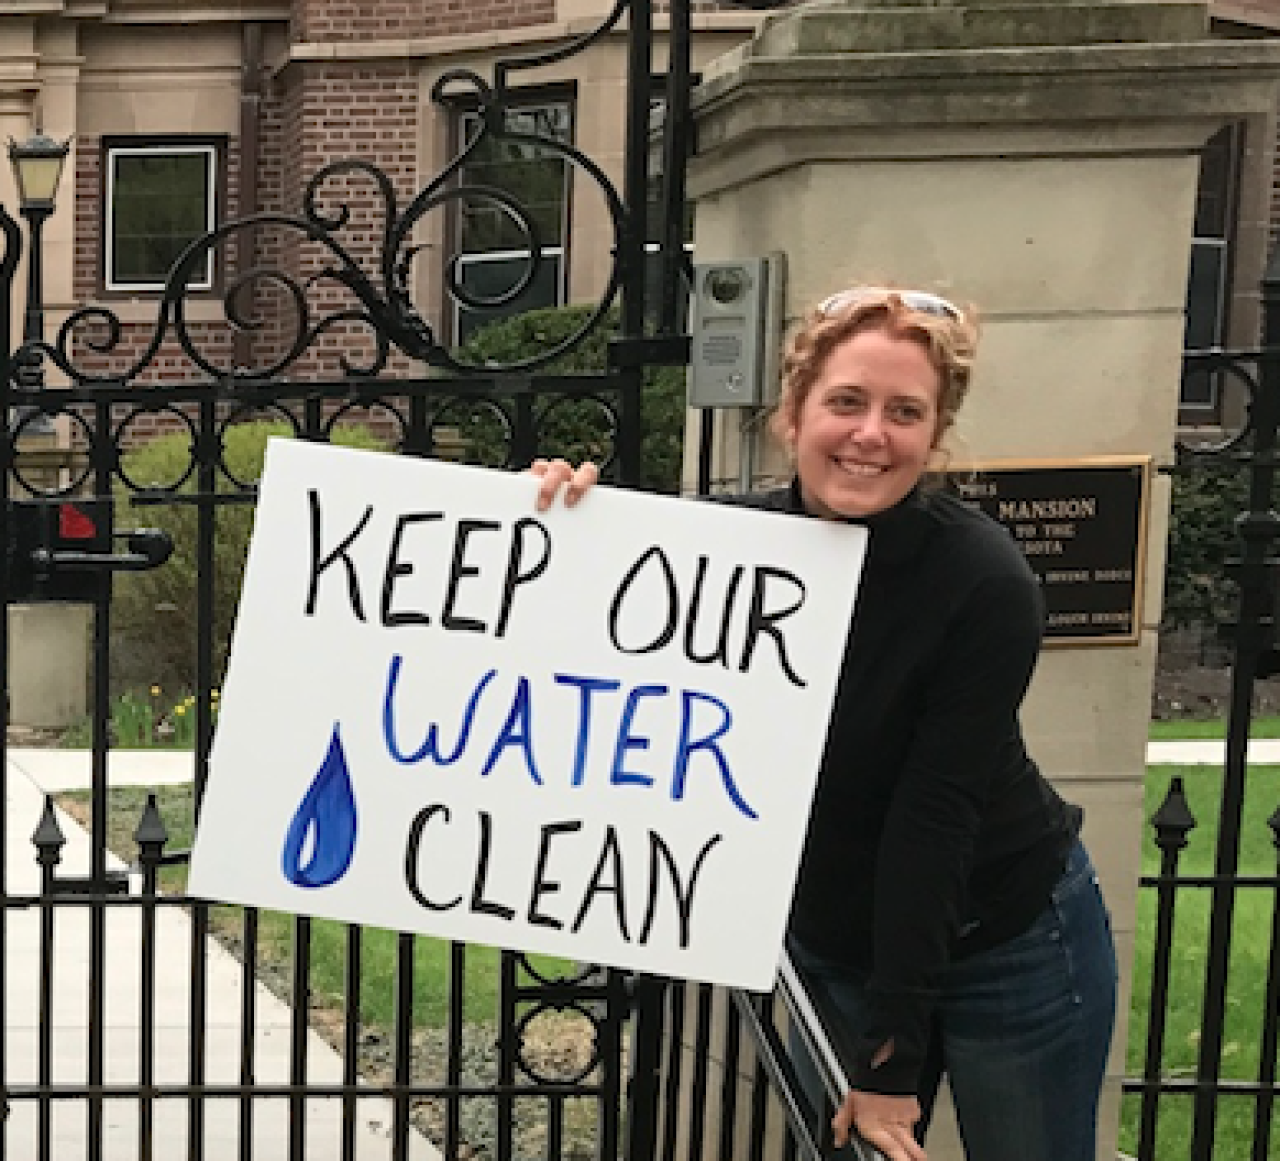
{"x":516,"y":731}
{"x":688,"y":744}
{"x":430,"y":747}
{"x":628,"y":741}
{"x":586,"y":686}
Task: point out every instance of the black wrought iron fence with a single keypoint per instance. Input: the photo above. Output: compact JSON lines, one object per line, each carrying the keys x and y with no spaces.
{"x":1197,"y":967}
{"x":129,"y":1029}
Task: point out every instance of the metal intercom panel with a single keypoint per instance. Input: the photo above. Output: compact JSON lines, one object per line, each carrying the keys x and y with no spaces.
{"x":735,"y":323}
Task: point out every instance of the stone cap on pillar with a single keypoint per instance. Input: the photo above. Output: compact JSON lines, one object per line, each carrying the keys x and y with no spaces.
{"x":831,"y":80}
{"x":823,"y":26}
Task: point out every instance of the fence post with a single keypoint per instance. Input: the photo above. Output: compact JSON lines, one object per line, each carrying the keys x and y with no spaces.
{"x":1259,"y":528}
{"x":647,"y":997}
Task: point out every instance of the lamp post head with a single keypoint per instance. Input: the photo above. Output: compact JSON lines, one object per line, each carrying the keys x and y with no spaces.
{"x":37,"y":169}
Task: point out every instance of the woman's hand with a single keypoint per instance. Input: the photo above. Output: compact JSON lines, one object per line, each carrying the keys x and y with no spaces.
{"x":558,"y":474}
{"x":883,"y":1121}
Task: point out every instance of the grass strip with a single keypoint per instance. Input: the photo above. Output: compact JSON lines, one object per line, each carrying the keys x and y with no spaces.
{"x":328,"y":937}
{"x":1250,"y":949}
{"x":1191,"y":729}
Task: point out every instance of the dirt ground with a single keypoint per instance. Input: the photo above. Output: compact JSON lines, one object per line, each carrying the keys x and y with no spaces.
{"x":1193,"y":680}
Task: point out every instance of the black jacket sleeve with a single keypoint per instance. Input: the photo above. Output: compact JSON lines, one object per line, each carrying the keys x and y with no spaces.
{"x":966,"y":733}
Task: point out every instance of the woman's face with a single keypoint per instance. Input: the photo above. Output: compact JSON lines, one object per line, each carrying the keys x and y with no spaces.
{"x":864,"y":431}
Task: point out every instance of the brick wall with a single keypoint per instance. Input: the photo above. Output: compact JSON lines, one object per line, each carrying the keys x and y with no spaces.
{"x":319,"y":114}
{"x":91,"y":349}
{"x":346,"y":20}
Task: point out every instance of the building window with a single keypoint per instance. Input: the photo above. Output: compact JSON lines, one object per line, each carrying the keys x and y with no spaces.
{"x":492,"y":248}
{"x":158,"y":197}
{"x":1209,"y":282}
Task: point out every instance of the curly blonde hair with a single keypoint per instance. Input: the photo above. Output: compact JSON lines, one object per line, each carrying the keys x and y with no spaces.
{"x":948,"y":335}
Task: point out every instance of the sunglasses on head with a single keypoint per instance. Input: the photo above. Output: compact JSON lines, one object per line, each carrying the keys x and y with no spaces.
{"x":920,"y":300}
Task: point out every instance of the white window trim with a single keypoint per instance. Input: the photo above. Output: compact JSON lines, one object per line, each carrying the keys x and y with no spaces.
{"x":558,"y":251}
{"x":1211,"y":405}
{"x":108,"y":242}
{"x":481,"y":257}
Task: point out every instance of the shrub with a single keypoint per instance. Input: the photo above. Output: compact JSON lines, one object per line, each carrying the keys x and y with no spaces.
{"x":153,"y":617}
{"x":153,"y":614}
{"x":577,"y":429}
{"x":1207,"y":500}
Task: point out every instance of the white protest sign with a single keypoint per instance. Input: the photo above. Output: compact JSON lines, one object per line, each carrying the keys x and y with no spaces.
{"x":590,"y":732}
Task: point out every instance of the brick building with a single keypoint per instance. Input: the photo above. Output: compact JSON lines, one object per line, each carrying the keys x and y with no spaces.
{"x":188,"y":113}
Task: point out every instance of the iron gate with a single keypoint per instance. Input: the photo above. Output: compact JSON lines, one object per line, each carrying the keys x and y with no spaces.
{"x":130,"y":1031}
{"x":1180,"y":1110}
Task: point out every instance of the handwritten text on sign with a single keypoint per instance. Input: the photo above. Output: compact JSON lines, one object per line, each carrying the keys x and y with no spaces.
{"x":591,"y":732}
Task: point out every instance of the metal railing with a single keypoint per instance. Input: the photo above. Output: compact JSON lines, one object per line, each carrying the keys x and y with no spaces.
{"x":730,"y":1075}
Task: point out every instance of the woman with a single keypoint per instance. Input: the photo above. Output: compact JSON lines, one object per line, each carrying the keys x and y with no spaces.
{"x":945,"y":906}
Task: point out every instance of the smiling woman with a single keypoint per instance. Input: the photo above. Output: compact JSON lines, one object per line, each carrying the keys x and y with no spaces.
{"x":863,"y":434}
{"x":942,"y":876}
{"x":870,"y":387}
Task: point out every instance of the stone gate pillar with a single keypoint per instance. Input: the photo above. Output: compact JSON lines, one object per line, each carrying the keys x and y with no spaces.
{"x":1038,"y":160}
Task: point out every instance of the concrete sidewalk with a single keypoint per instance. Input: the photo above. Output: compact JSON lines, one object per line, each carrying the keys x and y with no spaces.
{"x":67,"y":971}
{"x":1210,"y":752}
{"x":57,"y":770}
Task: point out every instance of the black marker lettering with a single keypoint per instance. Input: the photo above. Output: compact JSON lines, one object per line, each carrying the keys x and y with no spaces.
{"x":479,"y":903}
{"x":684,"y":898}
{"x":340,"y":553}
{"x":541,"y":884}
{"x":397,"y":568}
{"x":516,"y":573}
{"x":457,"y":570}
{"x":758,"y":621}
{"x":610,"y":855}
{"x":721,"y":652}
{"x":673,"y":602}
{"x":420,"y":821}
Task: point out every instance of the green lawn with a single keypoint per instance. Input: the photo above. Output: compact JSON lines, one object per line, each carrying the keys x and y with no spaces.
{"x":1248,"y":965}
{"x":277,"y":933}
{"x":1183,"y":728}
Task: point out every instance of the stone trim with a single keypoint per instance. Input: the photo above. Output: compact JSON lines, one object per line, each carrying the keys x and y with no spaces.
{"x":188,"y":11}
{"x":425,"y":48}
{"x":1252,"y":13}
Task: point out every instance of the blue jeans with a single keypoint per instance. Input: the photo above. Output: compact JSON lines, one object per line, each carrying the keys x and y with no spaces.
{"x":1021,"y":1031}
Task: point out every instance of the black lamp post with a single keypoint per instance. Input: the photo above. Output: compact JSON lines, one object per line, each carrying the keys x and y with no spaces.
{"x":37,"y":169}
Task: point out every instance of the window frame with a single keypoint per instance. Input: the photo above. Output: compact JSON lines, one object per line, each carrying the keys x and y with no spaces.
{"x":1199,"y":412}
{"x":214,"y":148}
{"x":459,"y":110}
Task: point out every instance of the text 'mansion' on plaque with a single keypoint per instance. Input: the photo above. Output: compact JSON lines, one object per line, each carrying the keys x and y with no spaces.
{"x":1082,"y":524}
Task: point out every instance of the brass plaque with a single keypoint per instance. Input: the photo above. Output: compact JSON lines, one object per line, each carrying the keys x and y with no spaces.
{"x":1082,"y":525}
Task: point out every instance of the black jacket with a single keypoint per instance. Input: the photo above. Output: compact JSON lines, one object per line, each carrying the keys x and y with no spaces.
{"x":933,"y":834}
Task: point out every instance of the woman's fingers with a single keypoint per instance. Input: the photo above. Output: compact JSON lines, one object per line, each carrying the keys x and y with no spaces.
{"x":557,"y":476}
{"x":883,"y":1121}
{"x":896,"y":1142}
{"x":584,"y":478}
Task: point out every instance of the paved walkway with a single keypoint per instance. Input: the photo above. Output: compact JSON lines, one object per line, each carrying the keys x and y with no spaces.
{"x":57,"y":770}
{"x":31,"y":773}
{"x":1210,"y":752}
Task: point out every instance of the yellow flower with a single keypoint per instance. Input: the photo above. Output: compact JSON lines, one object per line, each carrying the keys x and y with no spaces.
{"x":179,"y":710}
{"x":214,"y":695}
{"x":190,"y":700}
{"x":155,"y":691}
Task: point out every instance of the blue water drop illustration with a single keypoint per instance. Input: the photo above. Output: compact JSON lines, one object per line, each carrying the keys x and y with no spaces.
{"x":324,"y":827}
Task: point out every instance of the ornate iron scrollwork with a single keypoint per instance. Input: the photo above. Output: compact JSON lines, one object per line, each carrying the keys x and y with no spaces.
{"x":379,"y":288}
